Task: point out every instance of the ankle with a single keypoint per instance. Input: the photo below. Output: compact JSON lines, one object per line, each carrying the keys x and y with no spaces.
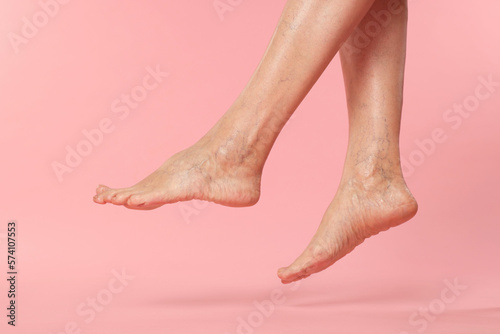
{"x":373,"y":175}
{"x":384,"y":184}
{"x":237,"y":147}
{"x":233,"y":154}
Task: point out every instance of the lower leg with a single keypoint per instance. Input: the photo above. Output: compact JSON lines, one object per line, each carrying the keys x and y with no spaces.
{"x":226,"y":164}
{"x":372,"y":195}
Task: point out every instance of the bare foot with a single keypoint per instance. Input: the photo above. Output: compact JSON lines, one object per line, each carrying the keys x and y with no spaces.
{"x":359,"y":210}
{"x":204,"y":171}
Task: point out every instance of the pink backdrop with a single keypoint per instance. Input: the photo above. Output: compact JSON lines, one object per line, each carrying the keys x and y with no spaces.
{"x":202,"y":268}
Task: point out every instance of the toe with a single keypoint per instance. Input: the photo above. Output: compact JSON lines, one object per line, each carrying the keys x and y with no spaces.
{"x":282,"y":272}
{"x":100,"y":189}
{"x":144,"y":201}
{"x":121,"y":198}
{"x":109,"y":194}
{"x":294,"y":279}
{"x":98,"y":199}
{"x":136,"y":200}
{"x":294,"y":270}
{"x":312,"y":260}
{"x":287,"y":274}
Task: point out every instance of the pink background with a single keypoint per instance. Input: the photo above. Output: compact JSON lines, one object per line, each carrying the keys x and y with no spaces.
{"x":200,"y":268}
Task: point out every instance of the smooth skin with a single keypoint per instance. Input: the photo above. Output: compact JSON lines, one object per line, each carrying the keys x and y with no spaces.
{"x":225,"y":165}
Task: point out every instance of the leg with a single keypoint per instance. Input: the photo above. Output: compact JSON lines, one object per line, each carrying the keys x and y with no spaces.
{"x":372,"y":195}
{"x":225,"y":165}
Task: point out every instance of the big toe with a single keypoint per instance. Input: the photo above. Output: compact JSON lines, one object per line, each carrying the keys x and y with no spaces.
{"x":121,"y":198}
{"x":291,"y":274}
{"x":312,"y":260}
{"x":142,"y":202}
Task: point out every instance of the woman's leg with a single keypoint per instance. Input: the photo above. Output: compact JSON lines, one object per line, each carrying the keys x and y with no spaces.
{"x":225,"y":165}
{"x":372,"y":195}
